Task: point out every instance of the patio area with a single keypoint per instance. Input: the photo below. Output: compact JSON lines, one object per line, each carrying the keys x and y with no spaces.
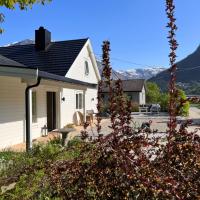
{"x":159,"y":122}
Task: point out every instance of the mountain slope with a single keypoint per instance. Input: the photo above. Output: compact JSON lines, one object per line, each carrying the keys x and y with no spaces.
{"x":188,"y":71}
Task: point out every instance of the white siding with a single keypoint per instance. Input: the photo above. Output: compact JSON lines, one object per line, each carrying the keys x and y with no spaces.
{"x":142,"y":97}
{"x":68,"y":107}
{"x":77,"y":70}
{"x":91,"y":99}
{"x":41,"y":93}
{"x":41,"y":112}
{"x":12,"y":111}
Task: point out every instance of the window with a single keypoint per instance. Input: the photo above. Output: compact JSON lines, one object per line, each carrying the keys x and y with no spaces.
{"x":130,"y":97}
{"x":79,"y":101}
{"x":86,"y":68}
{"x":34,"y":107}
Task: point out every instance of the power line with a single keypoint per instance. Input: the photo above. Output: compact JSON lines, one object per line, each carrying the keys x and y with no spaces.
{"x":178,"y":70}
{"x":189,"y":68}
{"x":126,"y":61}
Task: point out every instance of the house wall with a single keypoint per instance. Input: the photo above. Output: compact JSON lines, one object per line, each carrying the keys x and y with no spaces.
{"x":12,"y":111}
{"x":135,"y":96}
{"x":143,"y":96}
{"x":68,"y":107}
{"x":41,"y":95}
{"x":77,"y":71}
{"x":138,"y":97}
{"x":91,"y":99}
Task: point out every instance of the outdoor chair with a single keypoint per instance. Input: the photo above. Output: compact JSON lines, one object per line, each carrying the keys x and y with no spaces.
{"x":90,"y":116}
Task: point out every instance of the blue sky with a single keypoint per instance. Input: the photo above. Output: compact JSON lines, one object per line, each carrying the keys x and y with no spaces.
{"x":135,"y":28}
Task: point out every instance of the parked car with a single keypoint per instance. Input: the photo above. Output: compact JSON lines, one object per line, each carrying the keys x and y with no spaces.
{"x":155,"y":108}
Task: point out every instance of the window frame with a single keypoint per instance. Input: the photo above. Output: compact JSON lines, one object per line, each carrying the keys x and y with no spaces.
{"x":79,"y":101}
{"x":87,"y":71}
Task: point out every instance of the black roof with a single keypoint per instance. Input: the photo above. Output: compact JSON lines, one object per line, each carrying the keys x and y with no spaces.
{"x":9,"y":63}
{"x":57,"y":59}
{"x":131,"y":85}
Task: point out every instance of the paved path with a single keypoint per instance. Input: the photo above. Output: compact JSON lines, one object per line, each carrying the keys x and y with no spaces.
{"x":159,"y":121}
{"x":195,"y":117}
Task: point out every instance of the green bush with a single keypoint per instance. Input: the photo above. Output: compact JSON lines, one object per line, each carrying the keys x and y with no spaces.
{"x":135,"y":107}
{"x":153,"y":93}
{"x":184,"y":109}
{"x":163,"y":101}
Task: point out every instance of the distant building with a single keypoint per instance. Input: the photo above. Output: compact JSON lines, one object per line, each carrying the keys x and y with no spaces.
{"x":135,"y":89}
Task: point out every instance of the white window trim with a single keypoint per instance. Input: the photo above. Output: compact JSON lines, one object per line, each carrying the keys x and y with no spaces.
{"x":86,"y":74}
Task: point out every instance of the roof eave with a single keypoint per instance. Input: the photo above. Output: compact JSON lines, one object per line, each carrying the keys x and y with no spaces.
{"x":49,"y":76}
{"x":33,"y":74}
{"x":17,"y":71}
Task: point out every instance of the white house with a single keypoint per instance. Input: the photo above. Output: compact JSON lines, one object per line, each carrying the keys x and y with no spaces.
{"x":43,"y":85}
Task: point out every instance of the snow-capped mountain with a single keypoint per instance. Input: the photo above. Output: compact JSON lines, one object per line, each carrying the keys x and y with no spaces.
{"x":143,"y":73}
{"x":23,"y":42}
{"x":114,"y":75}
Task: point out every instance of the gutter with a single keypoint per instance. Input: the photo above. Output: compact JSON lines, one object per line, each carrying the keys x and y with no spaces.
{"x":27,"y":110}
{"x":54,"y":77}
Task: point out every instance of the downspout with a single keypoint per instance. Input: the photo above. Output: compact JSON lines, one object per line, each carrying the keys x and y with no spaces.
{"x":27,"y":109}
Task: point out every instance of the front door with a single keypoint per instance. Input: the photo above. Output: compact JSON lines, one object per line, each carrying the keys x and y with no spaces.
{"x":51,"y":111}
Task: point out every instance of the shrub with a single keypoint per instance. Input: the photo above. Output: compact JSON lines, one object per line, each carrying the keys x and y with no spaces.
{"x":124,"y":164}
{"x":134,"y":107}
{"x":30,"y":170}
{"x":163,"y":101}
{"x":183,"y":108}
{"x":153,"y":92}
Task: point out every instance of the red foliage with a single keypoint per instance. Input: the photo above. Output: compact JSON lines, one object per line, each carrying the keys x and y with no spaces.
{"x":130,"y":164}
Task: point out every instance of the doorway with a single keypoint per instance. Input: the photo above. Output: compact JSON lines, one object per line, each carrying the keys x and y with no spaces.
{"x":51,"y":110}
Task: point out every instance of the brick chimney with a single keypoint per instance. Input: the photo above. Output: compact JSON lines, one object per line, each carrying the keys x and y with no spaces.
{"x":42,"y":39}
